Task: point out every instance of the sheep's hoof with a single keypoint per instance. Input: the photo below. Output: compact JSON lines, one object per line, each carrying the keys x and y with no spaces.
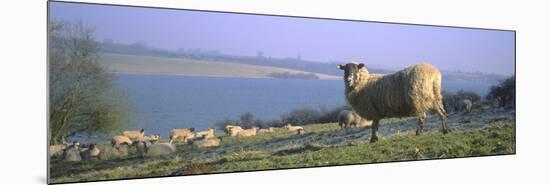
{"x":446,"y":131}
{"x":373,"y":139}
{"x":418,"y":132}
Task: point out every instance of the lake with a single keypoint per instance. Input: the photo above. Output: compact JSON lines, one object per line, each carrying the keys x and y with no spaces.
{"x":163,"y":102}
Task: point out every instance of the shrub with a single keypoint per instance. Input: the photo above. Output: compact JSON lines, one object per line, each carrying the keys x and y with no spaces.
{"x":300,"y":116}
{"x":453,"y":101}
{"x":504,"y":94}
{"x":83,"y":96}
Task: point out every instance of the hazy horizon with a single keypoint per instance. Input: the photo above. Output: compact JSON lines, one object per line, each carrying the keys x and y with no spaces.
{"x":388,"y":45}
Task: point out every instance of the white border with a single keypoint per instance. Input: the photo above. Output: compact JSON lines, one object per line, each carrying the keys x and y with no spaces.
{"x":23,"y":94}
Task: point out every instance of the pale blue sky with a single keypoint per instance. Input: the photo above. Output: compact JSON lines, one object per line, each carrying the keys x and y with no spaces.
{"x":391,"y":45}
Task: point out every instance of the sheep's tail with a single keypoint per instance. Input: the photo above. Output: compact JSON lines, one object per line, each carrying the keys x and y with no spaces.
{"x":437,"y":94}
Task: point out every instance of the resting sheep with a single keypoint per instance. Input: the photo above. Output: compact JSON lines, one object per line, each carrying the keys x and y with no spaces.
{"x":412,"y":91}
{"x":146,"y":149}
{"x":184,"y":133}
{"x":247,"y":132}
{"x":57,"y":150}
{"x":467,"y":105}
{"x":291,"y":128}
{"x":113,"y":152}
{"x":206,"y":142}
{"x":134,"y":134}
{"x":72,"y":153}
{"x":91,"y":152}
{"x":153,"y":138}
{"x":347,"y":119}
{"x":266,"y":130}
{"x":208,"y":133}
{"x":227,"y":127}
{"x":119,"y":140}
{"x":232,"y":130}
{"x":300,"y":131}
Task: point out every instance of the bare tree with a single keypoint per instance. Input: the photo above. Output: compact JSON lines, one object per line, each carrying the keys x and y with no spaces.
{"x":82,"y":96}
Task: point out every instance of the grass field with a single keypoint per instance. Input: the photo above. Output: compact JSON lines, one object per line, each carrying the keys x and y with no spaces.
{"x":480,"y":133}
{"x":177,"y":66}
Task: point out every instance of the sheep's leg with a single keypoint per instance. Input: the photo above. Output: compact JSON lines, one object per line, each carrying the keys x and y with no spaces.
{"x":421,"y":118}
{"x":374,"y":130}
{"x":443,"y":116}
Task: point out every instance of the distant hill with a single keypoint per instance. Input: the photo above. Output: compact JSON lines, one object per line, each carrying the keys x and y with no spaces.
{"x":217,"y":56}
{"x":122,"y":63}
{"x":300,"y":66}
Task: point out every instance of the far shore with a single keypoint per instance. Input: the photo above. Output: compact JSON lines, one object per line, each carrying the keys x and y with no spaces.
{"x":321,"y":77}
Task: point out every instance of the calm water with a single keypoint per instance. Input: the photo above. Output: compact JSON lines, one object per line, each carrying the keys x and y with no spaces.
{"x":163,"y":102}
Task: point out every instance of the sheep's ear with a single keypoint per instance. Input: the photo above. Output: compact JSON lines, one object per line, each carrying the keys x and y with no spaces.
{"x":361,"y":65}
{"x":340,"y":66}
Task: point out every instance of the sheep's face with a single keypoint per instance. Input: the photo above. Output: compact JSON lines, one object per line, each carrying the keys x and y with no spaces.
{"x":351,"y":73}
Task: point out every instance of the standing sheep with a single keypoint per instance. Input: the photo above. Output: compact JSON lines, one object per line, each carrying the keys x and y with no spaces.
{"x":184,"y":133}
{"x":412,"y":91}
{"x":347,"y":119}
{"x":134,"y":134}
{"x":467,"y":105}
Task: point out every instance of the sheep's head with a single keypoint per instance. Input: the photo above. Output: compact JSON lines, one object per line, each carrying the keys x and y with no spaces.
{"x":153,"y":138}
{"x":351,"y":72}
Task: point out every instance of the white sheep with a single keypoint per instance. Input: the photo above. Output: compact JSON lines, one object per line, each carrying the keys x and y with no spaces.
{"x":113,"y":152}
{"x":157,"y":149}
{"x":119,"y":140}
{"x":266,"y":130}
{"x":467,"y":105}
{"x":291,"y":128}
{"x":153,"y":138}
{"x":72,"y":152}
{"x":348,"y":119}
{"x":232,"y":130}
{"x":208,"y":133}
{"x":183,"y":133}
{"x":247,"y":132}
{"x":206,"y":142}
{"x":91,"y":152}
{"x":300,"y":131}
{"x":412,"y":91}
{"x":227,"y":127}
{"x":134,"y":134}
{"x":56,"y":151}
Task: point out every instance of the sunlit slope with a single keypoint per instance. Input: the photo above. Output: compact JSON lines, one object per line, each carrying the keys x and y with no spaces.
{"x":121,"y":63}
